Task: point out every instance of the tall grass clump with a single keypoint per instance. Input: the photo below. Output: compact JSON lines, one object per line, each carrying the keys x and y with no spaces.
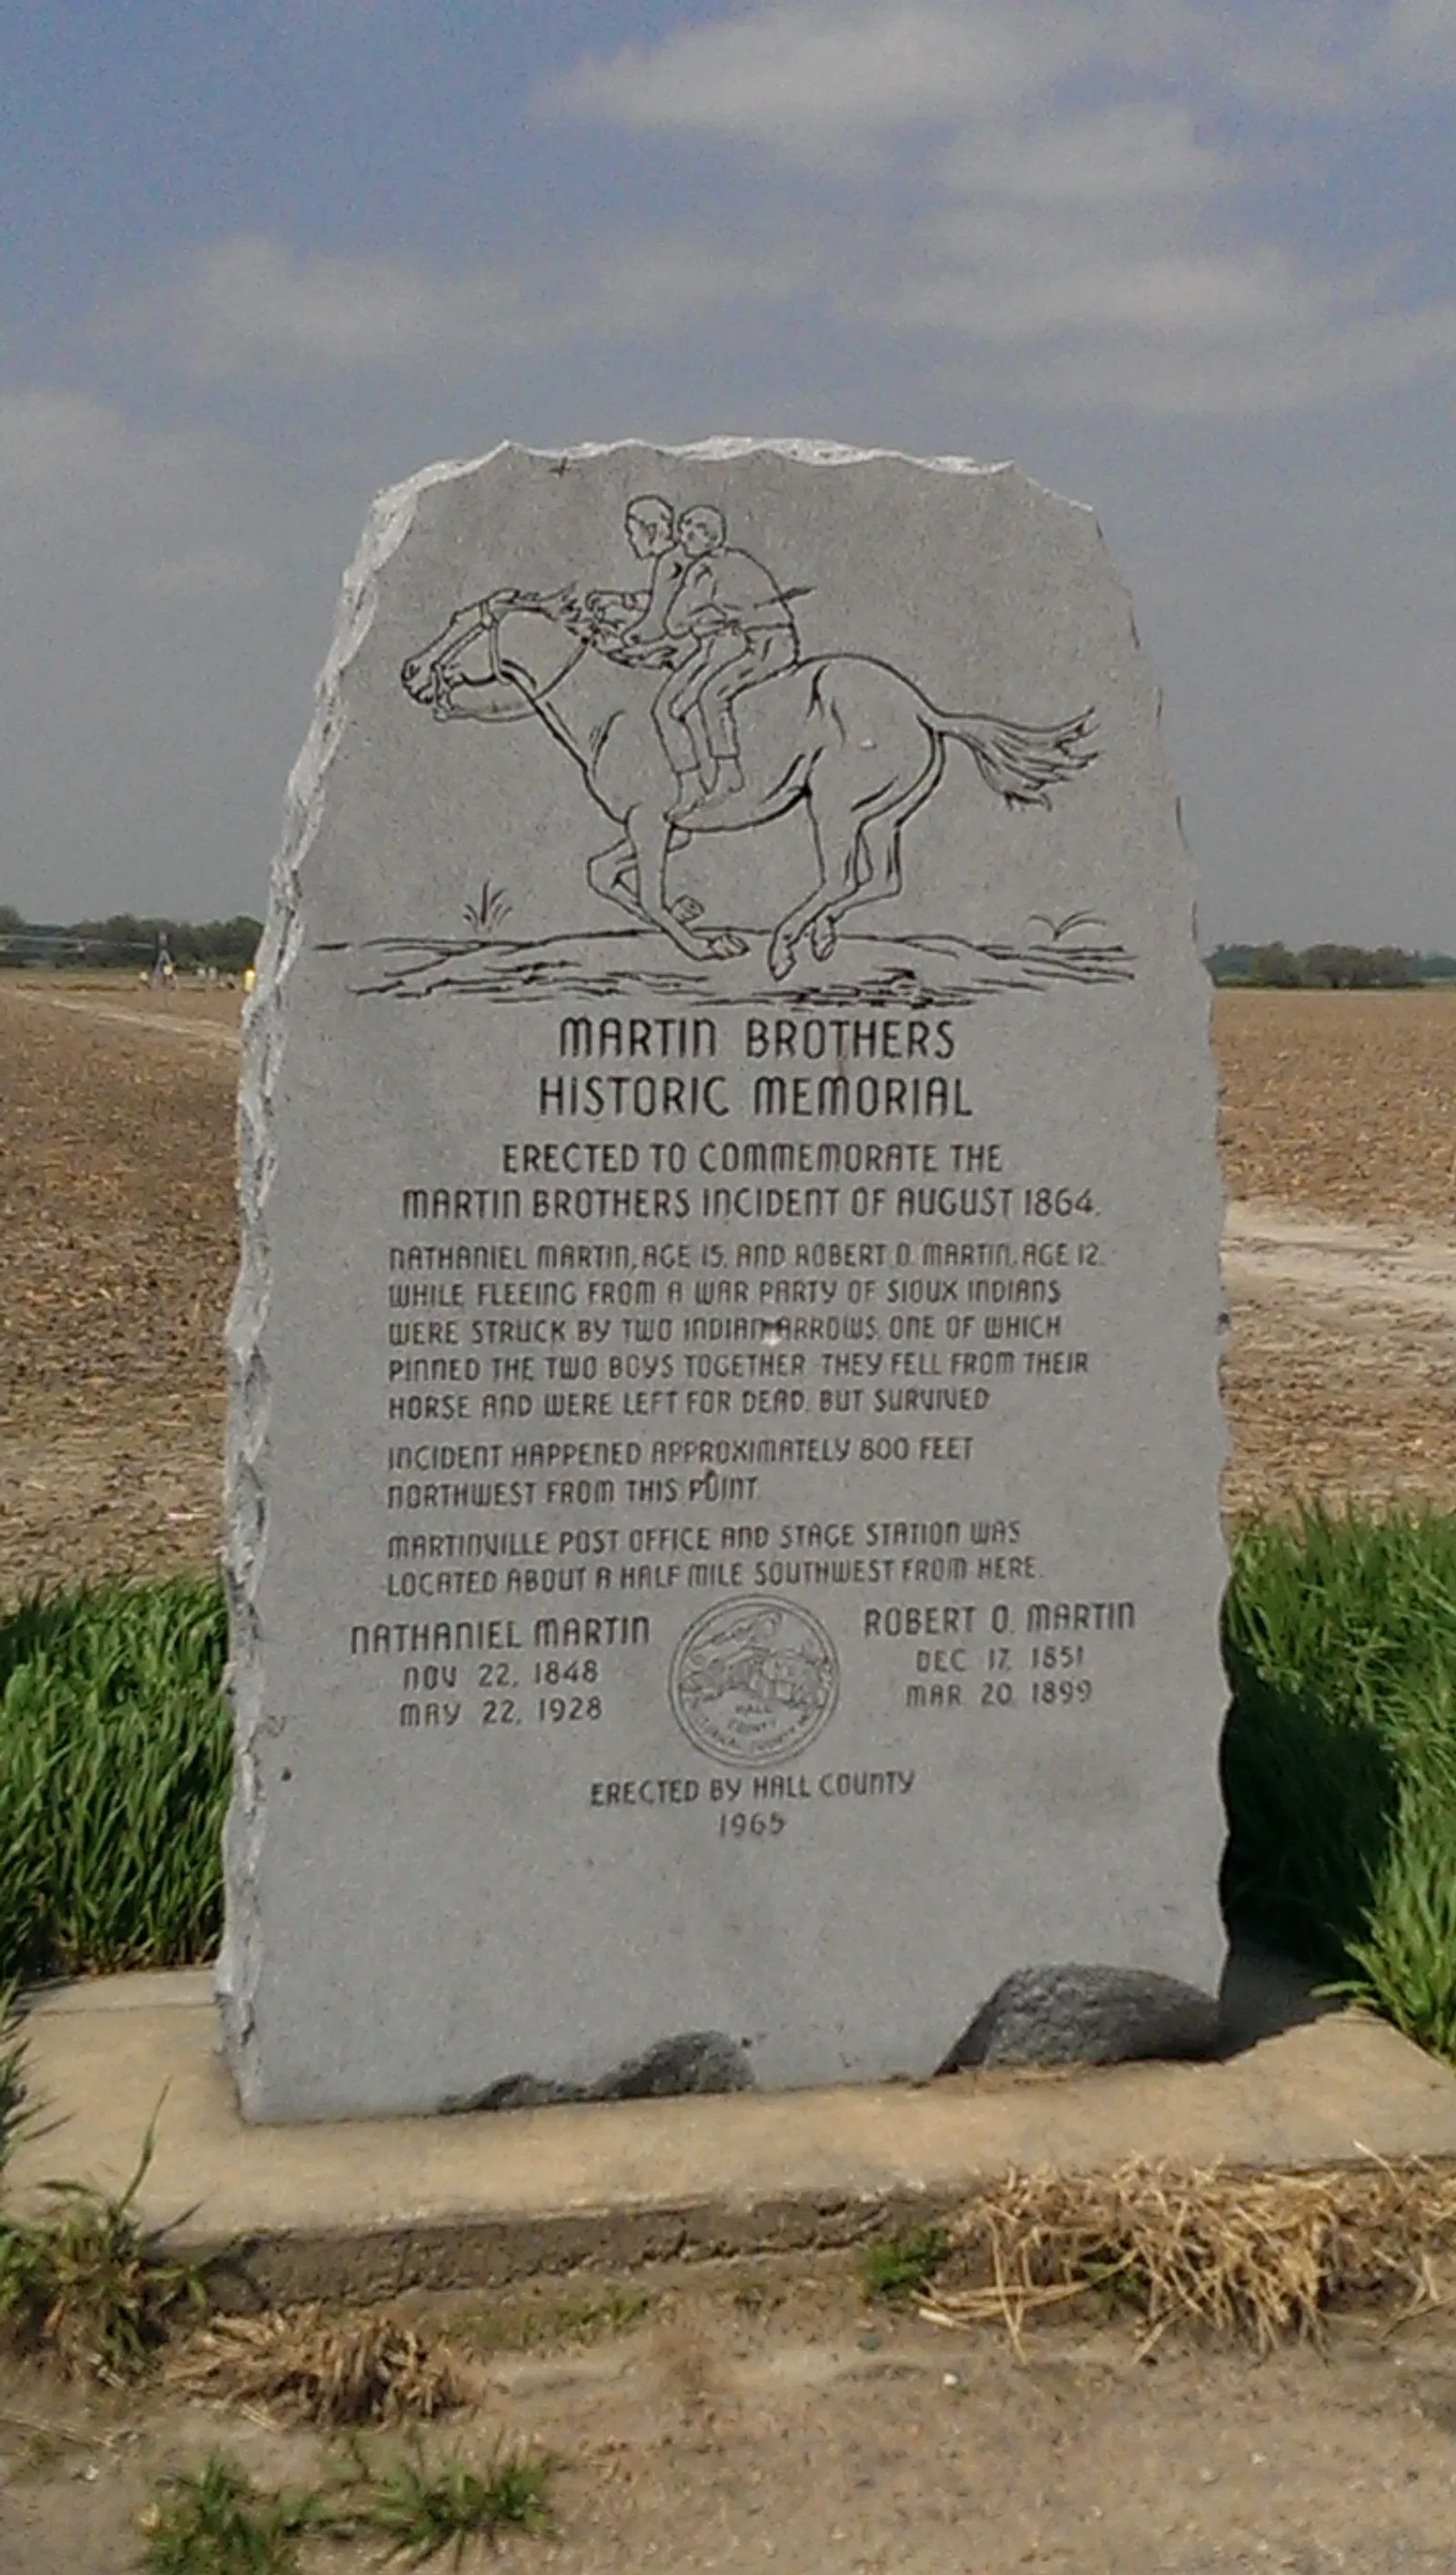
{"x":87,"y":2283}
{"x":115,"y":1752}
{"x":214,"y":2521}
{"x":1339,"y":1761}
{"x":12,"y":2072}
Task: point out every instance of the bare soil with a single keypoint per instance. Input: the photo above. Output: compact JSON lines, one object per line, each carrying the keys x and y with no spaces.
{"x":118,"y":1244}
{"x":1344,"y":1102}
{"x":1338,"y":1144}
{"x":117,"y":1241}
{"x":807,"y":2432}
{"x":1337,"y":1376}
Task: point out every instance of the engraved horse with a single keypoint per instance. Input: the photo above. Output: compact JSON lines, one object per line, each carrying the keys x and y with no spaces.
{"x":846,"y":736}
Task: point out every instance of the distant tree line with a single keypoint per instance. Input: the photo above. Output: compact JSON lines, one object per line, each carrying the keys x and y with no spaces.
{"x":1330,"y":969}
{"x":135,"y":938}
{"x":128,"y":939}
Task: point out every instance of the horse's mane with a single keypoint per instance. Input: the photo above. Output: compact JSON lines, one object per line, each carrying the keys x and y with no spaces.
{"x":571,"y":607}
{"x":572,"y":610}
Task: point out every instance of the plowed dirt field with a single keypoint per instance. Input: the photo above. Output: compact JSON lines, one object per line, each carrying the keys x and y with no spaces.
{"x":118,"y":1239}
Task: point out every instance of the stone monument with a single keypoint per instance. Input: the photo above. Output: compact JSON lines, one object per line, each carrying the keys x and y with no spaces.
{"x":723,"y":1546}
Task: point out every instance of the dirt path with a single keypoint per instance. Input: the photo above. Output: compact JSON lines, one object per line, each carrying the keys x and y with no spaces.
{"x":169,"y":1021}
{"x":1352,"y":1269}
{"x":811,"y":2434}
{"x":204,"y":1012}
{"x":1340,"y":1373}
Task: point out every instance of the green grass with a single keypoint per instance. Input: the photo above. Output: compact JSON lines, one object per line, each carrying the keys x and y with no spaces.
{"x":900,"y":2267}
{"x":216,"y":2522}
{"x":12,"y":2072}
{"x":1404,"y":1963}
{"x":1339,"y":1766}
{"x":418,"y":2509}
{"x":87,"y":2284}
{"x":1339,"y":1761}
{"x":113,"y":1762}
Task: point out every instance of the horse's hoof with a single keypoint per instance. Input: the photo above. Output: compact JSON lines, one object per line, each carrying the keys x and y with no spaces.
{"x":780,"y":960}
{"x":705,"y":947}
{"x":823,"y":939}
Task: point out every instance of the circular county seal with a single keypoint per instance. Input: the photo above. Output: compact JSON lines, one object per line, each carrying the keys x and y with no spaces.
{"x":754,"y":1682}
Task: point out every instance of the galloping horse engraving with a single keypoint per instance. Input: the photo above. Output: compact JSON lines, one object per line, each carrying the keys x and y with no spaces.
{"x":847,"y":736}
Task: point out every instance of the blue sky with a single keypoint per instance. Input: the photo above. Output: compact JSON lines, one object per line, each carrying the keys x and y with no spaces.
{"x":1193,"y":263}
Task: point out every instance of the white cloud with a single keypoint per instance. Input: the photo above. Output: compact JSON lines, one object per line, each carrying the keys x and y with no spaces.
{"x":980,"y":198}
{"x":1314,"y":359}
{"x":1124,"y":155}
{"x":69,"y":454}
{"x":1088,"y":274}
{"x":813,"y":80}
{"x":810,"y":77}
{"x":1101,"y":253}
{"x":95,"y":501}
{"x":57,"y":446}
{"x":1011,"y":281}
{"x":251,"y":305}
{"x":651,"y":285}
{"x":1124,"y":306}
{"x":143,"y":569}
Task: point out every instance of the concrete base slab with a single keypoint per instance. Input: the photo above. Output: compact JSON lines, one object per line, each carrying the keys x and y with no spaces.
{"x":366,"y":2209}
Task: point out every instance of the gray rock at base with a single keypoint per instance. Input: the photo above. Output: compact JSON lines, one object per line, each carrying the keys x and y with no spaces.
{"x":1086,"y":2016}
{"x":700,"y":2061}
{"x":724,"y":1440}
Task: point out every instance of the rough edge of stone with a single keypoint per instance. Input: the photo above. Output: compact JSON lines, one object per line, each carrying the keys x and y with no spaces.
{"x":701,"y":2060}
{"x":263,"y":1037}
{"x":1076,"y":2016}
{"x":714,"y":451}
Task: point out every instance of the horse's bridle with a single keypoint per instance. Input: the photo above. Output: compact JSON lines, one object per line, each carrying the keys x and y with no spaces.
{"x":489,"y":627}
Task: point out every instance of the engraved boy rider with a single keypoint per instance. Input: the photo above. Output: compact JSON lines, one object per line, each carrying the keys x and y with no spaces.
{"x":739,"y":630}
{"x":636,"y":621}
{"x":641,"y":615}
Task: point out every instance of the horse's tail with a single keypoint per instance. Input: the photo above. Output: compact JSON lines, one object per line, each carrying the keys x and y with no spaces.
{"x":1021,"y":762}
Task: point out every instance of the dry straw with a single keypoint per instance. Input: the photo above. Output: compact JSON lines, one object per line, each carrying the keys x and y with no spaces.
{"x":1259,"y":2256}
{"x":325,"y":2369}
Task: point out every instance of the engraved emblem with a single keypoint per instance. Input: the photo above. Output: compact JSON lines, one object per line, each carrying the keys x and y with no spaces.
{"x":754,"y":1682}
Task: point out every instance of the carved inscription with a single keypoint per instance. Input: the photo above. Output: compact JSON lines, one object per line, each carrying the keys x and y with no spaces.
{"x":616,"y":1357}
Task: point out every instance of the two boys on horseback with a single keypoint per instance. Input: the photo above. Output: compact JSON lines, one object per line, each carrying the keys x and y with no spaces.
{"x":719,"y":620}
